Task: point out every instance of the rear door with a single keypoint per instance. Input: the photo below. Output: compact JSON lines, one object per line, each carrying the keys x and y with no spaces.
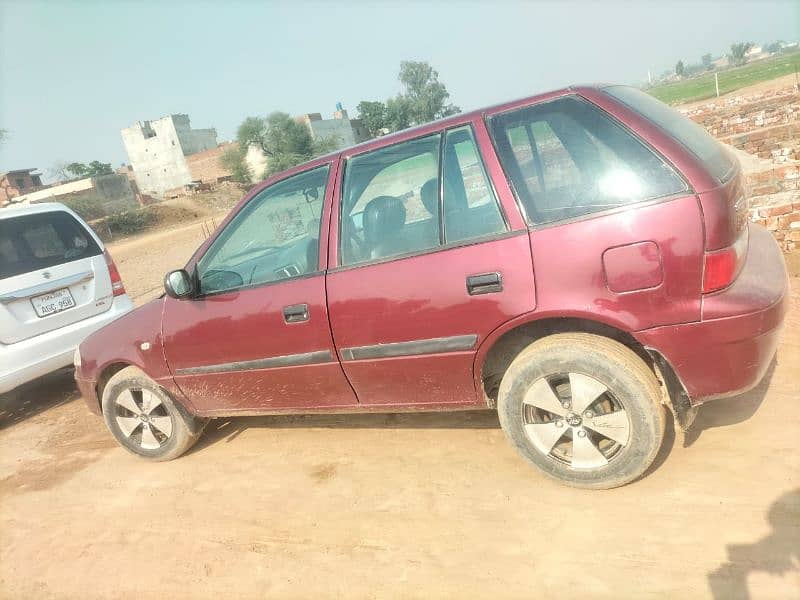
{"x":52,"y":274}
{"x":428,"y":267}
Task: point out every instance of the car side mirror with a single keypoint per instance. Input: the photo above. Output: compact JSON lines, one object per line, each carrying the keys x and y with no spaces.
{"x":178,"y":284}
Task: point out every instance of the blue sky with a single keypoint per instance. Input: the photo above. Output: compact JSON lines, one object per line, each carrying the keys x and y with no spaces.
{"x":72,"y":74}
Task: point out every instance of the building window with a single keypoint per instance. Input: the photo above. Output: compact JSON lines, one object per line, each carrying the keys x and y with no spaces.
{"x":20,"y":183}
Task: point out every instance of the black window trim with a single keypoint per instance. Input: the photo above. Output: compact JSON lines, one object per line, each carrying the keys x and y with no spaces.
{"x":532,"y":226}
{"x":734,"y":163}
{"x":491,"y":237}
{"x":442,"y":133}
{"x":197,"y":295}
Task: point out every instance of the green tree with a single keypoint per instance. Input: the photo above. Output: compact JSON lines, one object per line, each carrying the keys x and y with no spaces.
{"x":233,"y":159}
{"x":774,"y":47}
{"x":284,"y":141}
{"x":373,"y":116}
{"x":738,"y":55}
{"x":427,"y":95}
{"x":680,"y":69}
{"x":424,"y":98}
{"x":252,"y":132}
{"x":3,"y":134}
{"x":707,"y":62}
{"x":93,"y":169}
{"x":398,"y":113}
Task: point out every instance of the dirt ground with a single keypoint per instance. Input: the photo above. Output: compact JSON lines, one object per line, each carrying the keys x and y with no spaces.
{"x":412,"y":506}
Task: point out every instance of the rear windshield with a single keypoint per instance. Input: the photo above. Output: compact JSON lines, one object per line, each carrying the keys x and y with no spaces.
{"x":696,"y":139}
{"x":33,"y":242}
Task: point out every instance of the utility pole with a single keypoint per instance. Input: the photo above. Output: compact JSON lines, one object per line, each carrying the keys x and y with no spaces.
{"x":716,"y":82}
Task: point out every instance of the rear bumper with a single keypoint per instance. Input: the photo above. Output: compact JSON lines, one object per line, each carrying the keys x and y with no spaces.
{"x":730,"y":349}
{"x":26,"y":360}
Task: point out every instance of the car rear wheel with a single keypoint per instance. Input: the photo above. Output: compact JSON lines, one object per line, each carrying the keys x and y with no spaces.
{"x":145,"y":420}
{"x":584,"y":409}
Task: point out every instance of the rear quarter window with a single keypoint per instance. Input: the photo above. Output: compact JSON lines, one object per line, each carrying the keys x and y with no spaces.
{"x":38,"y":241}
{"x":692,"y":136}
{"x":566,"y":158}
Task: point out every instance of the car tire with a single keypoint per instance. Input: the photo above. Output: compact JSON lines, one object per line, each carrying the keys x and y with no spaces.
{"x":145,"y":420}
{"x":585,"y":409}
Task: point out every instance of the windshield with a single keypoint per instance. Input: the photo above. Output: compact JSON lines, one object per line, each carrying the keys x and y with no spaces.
{"x":696,"y":139}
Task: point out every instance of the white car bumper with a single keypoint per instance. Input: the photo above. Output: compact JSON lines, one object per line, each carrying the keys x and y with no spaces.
{"x":48,"y":352}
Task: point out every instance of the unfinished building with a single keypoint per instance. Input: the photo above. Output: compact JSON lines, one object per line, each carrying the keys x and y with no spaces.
{"x":157,"y":151}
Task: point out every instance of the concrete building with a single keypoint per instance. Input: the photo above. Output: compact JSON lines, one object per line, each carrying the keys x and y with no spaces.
{"x":347,"y":132}
{"x":16,"y":183}
{"x":157,"y":151}
{"x":112,"y":193}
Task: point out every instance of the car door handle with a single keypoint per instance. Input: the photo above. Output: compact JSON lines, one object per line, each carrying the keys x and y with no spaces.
{"x":484,"y":283}
{"x":296,"y":313}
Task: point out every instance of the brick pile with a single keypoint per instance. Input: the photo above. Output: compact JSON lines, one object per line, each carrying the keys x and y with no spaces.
{"x":767,"y":127}
{"x":779,"y":144}
{"x":742,"y":114}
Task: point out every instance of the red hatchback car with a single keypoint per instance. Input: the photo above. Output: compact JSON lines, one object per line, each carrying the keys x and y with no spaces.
{"x":580,"y":260}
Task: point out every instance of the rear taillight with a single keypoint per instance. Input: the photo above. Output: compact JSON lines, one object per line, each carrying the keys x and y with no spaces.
{"x":117,"y":288}
{"x":721,"y":267}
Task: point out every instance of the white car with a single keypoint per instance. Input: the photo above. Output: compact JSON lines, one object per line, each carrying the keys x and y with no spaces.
{"x":58,"y":284}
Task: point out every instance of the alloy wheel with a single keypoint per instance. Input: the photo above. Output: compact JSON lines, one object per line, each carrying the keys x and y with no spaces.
{"x":143,"y":418}
{"x":576,"y":420}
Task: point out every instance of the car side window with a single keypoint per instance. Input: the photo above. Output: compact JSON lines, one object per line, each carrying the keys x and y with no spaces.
{"x":385,"y":211}
{"x":392,"y":196}
{"x":274,"y":237}
{"x":470,"y":206}
{"x":567,"y":158}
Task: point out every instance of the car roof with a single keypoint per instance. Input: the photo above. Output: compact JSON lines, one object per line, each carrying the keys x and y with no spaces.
{"x":31,"y":209}
{"x":418,"y":130}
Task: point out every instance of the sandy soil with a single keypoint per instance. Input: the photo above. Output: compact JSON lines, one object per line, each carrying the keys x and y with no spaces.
{"x":429,"y":505}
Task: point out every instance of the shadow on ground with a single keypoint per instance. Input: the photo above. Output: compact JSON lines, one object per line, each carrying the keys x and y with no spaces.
{"x":36,"y":397}
{"x":730,"y":411}
{"x":776,"y":554}
{"x":228,"y":429}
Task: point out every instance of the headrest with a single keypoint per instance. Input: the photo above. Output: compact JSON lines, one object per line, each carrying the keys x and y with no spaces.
{"x":429,"y":194}
{"x":383,"y":216}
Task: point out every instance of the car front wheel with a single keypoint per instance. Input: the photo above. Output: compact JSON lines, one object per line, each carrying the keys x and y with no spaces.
{"x":145,"y":420}
{"x":584,"y":409}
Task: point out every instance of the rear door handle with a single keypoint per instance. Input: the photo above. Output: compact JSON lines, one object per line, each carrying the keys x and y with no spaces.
{"x":296,"y":313}
{"x":484,"y":283}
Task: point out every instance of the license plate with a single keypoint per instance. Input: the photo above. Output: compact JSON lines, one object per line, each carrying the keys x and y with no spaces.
{"x":52,"y":303}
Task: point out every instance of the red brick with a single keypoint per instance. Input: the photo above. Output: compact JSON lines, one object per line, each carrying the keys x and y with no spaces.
{"x":777,"y":211}
{"x":765,"y":189}
{"x":785,"y":221}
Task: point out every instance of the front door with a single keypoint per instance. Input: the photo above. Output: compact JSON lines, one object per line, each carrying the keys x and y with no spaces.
{"x":257,"y":336}
{"x":427,"y":269}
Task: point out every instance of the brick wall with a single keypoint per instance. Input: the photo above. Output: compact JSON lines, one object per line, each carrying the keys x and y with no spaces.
{"x":780,"y":143}
{"x":742,"y":114}
{"x":765,"y":125}
{"x":206,"y":167}
{"x":783,"y":221}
